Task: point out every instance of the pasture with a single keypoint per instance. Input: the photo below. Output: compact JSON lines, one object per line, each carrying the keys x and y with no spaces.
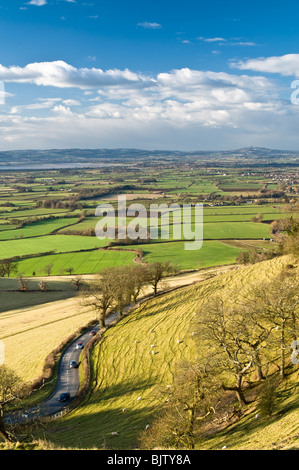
{"x":44,"y":244}
{"x":85,"y":262}
{"x":212,"y":253}
{"x":36,"y":229}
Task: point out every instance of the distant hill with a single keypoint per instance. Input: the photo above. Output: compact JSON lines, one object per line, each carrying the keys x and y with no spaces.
{"x":125,"y":155}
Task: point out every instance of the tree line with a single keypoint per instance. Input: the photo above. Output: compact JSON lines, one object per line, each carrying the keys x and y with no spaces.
{"x":116,"y":288}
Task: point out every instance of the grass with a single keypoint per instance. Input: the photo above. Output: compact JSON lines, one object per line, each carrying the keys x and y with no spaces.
{"x":212,"y":253}
{"x":279,"y":432}
{"x":39,"y":328}
{"x":43,"y":244}
{"x":31,"y":212}
{"x":82,"y":263}
{"x":124,"y":368}
{"x":36,"y":229}
{"x":235,"y":230}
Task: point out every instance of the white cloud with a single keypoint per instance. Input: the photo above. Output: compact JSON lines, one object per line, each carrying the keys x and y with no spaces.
{"x":212,"y":39}
{"x":62,"y":75}
{"x":225,"y":42}
{"x":132,"y":109}
{"x":38,"y":3}
{"x":287,"y":65}
{"x":71,"y":102}
{"x":242,"y":43}
{"x":148,"y":25}
{"x":62,"y":110}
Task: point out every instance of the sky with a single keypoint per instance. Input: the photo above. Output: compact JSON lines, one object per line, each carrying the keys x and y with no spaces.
{"x":175,"y":75}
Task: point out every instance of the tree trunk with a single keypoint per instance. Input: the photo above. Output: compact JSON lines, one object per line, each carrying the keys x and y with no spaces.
{"x":282,"y":350}
{"x":238,"y":390}
{"x":102,"y":321}
{"x":3,"y":432}
{"x":240,"y":396}
{"x":258,"y":365}
{"x":190,"y":428}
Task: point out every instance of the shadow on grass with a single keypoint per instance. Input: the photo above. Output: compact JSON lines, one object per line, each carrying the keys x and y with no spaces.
{"x":120,"y":389}
{"x":91,"y":425}
{"x":94,"y":430}
{"x":21,"y":300}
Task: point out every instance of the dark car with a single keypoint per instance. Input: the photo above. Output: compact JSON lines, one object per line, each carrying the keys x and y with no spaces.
{"x":92,"y":333}
{"x":64,"y":396}
{"x":73,"y":364}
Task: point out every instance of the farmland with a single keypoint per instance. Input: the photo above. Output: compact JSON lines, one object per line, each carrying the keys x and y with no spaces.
{"x":54,"y":215}
{"x":47,"y":231}
{"x":85,"y":262}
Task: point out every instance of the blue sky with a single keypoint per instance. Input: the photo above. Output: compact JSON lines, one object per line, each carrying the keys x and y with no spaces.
{"x":148,"y":74}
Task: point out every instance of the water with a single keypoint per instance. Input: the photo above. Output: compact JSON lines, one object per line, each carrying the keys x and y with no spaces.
{"x":54,"y":166}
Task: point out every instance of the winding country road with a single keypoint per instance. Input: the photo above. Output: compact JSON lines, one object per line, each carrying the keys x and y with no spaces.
{"x":68,"y":378}
{"x":67,"y":381}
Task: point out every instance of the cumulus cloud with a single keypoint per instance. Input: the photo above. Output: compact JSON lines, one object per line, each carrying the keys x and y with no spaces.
{"x":287,"y":65}
{"x":130,"y":108}
{"x":62,"y":75}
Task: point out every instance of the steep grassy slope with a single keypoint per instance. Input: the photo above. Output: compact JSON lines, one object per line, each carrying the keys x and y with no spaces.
{"x":30,"y":334}
{"x":137,"y":359}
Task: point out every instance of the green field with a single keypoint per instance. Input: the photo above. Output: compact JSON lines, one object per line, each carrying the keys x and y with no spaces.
{"x":214,"y":227}
{"x":58,"y":243}
{"x":36,"y":229}
{"x":85,"y":262}
{"x":212,"y":253}
{"x":226,"y":230}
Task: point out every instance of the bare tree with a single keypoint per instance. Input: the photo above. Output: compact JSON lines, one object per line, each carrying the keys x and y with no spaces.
{"x":99,"y":294}
{"x":136,"y":280}
{"x":122,"y":288}
{"x":43,"y":285}
{"x":221,"y":333}
{"x":190,"y":400}
{"x":77,"y":282}
{"x":276,"y":303}
{"x":23,"y":283}
{"x":157,"y":271}
{"x":48,"y":268}
{"x":10,"y":390}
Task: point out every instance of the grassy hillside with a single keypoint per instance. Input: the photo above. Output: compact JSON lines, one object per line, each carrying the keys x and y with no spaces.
{"x":135,"y":363}
{"x":31,"y":333}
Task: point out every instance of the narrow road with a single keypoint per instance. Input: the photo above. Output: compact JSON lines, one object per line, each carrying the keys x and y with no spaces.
{"x":67,"y":381}
{"x":68,"y":377}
